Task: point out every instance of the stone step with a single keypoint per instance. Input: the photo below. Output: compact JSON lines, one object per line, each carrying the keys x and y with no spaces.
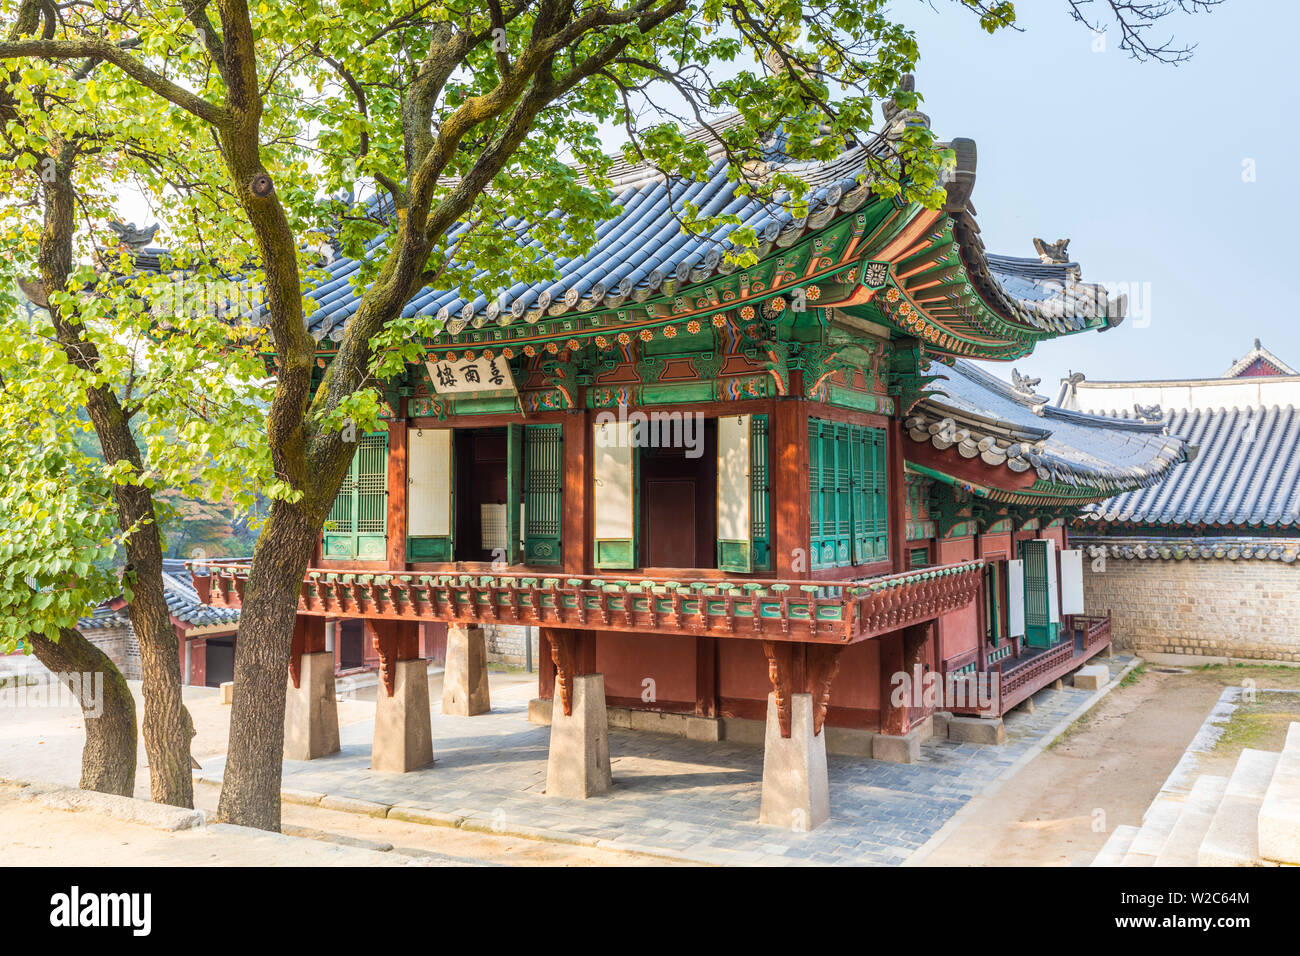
{"x":1233,"y":837}
{"x":1116,"y":845}
{"x":1279,"y":814}
{"x":1156,"y":827}
{"x":1193,"y":823}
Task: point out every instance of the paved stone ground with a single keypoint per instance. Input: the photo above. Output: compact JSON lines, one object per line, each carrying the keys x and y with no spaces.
{"x":676,"y":796}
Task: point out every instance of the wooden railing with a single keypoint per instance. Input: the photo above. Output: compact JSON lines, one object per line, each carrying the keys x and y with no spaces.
{"x":799,"y":610}
{"x":1096,"y":629}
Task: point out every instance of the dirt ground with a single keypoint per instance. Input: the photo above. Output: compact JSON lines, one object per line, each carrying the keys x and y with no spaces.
{"x":1106,"y":770}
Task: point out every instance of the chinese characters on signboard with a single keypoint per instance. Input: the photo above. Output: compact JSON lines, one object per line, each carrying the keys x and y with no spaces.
{"x":473,"y":375}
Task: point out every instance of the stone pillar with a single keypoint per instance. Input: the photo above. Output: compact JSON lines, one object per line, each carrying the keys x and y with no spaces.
{"x":311,"y":713}
{"x":465,"y":679}
{"x":403,"y":730}
{"x":578,"y":765}
{"x":796,"y":791}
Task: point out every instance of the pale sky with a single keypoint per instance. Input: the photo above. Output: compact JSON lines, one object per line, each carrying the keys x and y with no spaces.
{"x":1140,"y":166}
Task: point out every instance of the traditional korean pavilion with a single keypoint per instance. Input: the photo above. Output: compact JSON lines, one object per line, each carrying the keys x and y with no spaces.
{"x":767,"y":502}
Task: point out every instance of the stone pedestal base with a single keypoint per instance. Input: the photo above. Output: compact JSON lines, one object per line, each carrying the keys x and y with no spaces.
{"x":311,"y":714}
{"x":465,"y":680}
{"x":578,"y":765}
{"x":896,"y":748}
{"x":796,"y":794}
{"x":403,"y":730}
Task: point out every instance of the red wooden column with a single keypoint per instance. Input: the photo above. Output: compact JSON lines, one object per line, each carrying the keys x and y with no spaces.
{"x":397,"y":492}
{"x":706,"y":676}
{"x":576,"y":494}
{"x":788,"y":451}
{"x":897,"y":491}
{"x":893,"y":718}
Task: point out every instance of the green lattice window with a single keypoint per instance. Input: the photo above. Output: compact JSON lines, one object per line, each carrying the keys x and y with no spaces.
{"x":849,"y":500}
{"x":1042,"y":622}
{"x":543,"y":453}
{"x":358,"y":522}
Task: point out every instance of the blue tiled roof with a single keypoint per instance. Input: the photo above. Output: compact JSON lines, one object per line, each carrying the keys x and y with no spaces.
{"x":643,"y":246}
{"x":1247,"y":473}
{"x":1003,"y":425}
{"x":182,"y":601}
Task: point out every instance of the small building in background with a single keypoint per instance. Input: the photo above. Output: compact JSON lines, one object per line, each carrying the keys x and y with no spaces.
{"x":205,"y":634}
{"x":1203,"y":565}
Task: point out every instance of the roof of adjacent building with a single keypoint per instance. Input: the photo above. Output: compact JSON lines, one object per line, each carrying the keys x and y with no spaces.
{"x":1257,"y":378}
{"x":1148,"y":548}
{"x":182,"y":601}
{"x":1259,"y":361}
{"x":1246,"y":474}
{"x":1003,"y":425}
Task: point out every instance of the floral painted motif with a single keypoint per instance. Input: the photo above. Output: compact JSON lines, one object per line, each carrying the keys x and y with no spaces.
{"x":508,"y":352}
{"x":813,"y":293}
{"x":719,"y":320}
{"x":646,"y":335}
{"x":892,"y":295}
{"x":624,"y":338}
{"x":693,"y":327}
{"x":529,"y":350}
{"x":747,"y":312}
{"x":778,"y":304}
{"x":552,"y":348}
{"x":670,"y":331}
{"x":573,"y":345}
{"x":602,"y":342}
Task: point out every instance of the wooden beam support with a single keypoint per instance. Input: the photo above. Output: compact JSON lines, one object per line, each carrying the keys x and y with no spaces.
{"x":393,"y":641}
{"x":572,"y":653}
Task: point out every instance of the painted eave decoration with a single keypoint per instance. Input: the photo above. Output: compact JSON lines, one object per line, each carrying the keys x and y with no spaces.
{"x":1031,"y":451}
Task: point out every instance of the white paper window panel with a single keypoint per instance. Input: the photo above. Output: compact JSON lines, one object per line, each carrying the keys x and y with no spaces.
{"x":492,"y":527}
{"x":1053,"y":599}
{"x":429,"y":467}
{"x":733,"y":477}
{"x":612,"y":470}
{"x":1016,"y":598}
{"x":1072,"y":581}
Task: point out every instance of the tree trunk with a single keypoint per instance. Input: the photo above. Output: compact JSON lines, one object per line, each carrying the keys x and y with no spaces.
{"x":167,"y":726}
{"x":250,"y":793}
{"x":108,"y":758}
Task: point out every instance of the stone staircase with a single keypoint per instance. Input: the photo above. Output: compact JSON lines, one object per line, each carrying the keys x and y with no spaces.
{"x":1250,"y":818}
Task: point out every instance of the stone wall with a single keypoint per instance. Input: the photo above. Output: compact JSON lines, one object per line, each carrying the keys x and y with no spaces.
{"x":1204,"y":607}
{"x":505,"y":644}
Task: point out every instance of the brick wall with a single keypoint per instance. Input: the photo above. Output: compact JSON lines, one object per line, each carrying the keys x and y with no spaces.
{"x":1211,"y":608}
{"x":119,"y":644}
